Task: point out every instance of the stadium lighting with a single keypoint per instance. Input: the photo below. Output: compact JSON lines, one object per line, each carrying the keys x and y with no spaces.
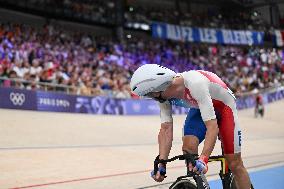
{"x":145,"y":27}
{"x":136,"y":25}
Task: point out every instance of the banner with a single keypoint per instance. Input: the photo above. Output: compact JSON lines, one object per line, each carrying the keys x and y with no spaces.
{"x":55,"y":102}
{"x":99,"y":105}
{"x":206,"y":35}
{"x":268,"y":97}
{"x":279,"y":38}
{"x":274,"y":96}
{"x":59,"y":102}
{"x":141,"y":107}
{"x":17,"y":99}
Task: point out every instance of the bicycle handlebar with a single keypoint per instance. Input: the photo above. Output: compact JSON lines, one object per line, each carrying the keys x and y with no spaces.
{"x":190,"y":158}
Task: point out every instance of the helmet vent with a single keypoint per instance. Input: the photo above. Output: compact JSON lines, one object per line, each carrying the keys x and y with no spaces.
{"x":134,"y":88}
{"x":160,"y":73}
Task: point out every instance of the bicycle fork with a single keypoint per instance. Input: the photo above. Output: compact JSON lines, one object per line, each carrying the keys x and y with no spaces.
{"x":225,"y":173}
{"x":201,"y":181}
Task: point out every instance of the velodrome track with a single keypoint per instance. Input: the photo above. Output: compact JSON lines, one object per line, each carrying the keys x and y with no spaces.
{"x":76,"y":151}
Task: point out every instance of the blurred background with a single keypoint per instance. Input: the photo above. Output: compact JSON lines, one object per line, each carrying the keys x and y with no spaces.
{"x":92,"y":47}
{"x":77,"y":56}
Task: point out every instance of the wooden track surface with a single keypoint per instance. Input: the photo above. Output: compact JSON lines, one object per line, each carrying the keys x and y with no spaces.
{"x":66,"y":151}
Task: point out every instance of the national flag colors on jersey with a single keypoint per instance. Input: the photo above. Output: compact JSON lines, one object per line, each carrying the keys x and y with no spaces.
{"x":207,"y":93}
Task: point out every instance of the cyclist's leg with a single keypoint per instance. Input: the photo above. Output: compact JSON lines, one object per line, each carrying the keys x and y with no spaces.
{"x":261,"y":111}
{"x":193,"y":132}
{"x":190,"y":144}
{"x":230,"y":135}
{"x":256,"y":111}
{"x":239,"y":171}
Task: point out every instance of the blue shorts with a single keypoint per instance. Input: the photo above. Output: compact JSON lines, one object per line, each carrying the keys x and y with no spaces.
{"x":194,"y":125}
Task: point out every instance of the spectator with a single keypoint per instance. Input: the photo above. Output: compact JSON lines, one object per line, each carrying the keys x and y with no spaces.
{"x":99,"y":66}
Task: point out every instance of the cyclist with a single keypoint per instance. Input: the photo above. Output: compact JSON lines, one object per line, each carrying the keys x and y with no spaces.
{"x":259,"y":106}
{"x":208,"y":98}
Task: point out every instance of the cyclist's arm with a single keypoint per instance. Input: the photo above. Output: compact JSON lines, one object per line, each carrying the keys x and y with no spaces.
{"x":165,"y":139}
{"x":203,"y":98}
{"x":210,"y":137}
{"x":165,"y":136}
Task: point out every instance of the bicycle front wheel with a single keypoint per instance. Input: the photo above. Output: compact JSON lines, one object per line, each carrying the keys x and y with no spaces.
{"x":228,"y":181}
{"x":183,"y":184}
{"x":233,"y":183}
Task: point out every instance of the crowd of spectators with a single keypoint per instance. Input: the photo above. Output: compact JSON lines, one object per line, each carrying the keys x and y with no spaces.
{"x":98,"y":11}
{"x":214,"y":18}
{"x":52,"y":56}
{"x":104,"y":12}
{"x":101,"y":66}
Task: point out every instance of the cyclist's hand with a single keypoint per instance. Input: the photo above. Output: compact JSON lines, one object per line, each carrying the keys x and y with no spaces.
{"x":160,"y":175}
{"x":201,"y":165}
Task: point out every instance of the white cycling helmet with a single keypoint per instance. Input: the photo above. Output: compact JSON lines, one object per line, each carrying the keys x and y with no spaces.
{"x":151,"y":78}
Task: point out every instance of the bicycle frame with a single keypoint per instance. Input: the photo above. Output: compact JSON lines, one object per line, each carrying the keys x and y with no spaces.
{"x":201,"y":181}
{"x":225,"y":173}
{"x":224,"y":165}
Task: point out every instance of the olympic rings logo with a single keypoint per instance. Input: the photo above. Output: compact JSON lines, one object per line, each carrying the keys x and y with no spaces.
{"x":17,"y":99}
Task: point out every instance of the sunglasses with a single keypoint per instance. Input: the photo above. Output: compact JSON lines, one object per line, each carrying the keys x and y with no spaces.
{"x":153,"y":95}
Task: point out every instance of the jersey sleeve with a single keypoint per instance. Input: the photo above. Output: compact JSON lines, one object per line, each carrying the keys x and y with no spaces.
{"x":199,"y":90}
{"x":166,"y":112}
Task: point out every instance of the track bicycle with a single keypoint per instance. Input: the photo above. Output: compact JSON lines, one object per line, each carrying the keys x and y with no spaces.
{"x":199,"y":181}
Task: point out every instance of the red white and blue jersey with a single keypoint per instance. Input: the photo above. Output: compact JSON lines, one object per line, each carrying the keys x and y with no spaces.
{"x":207,"y":92}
